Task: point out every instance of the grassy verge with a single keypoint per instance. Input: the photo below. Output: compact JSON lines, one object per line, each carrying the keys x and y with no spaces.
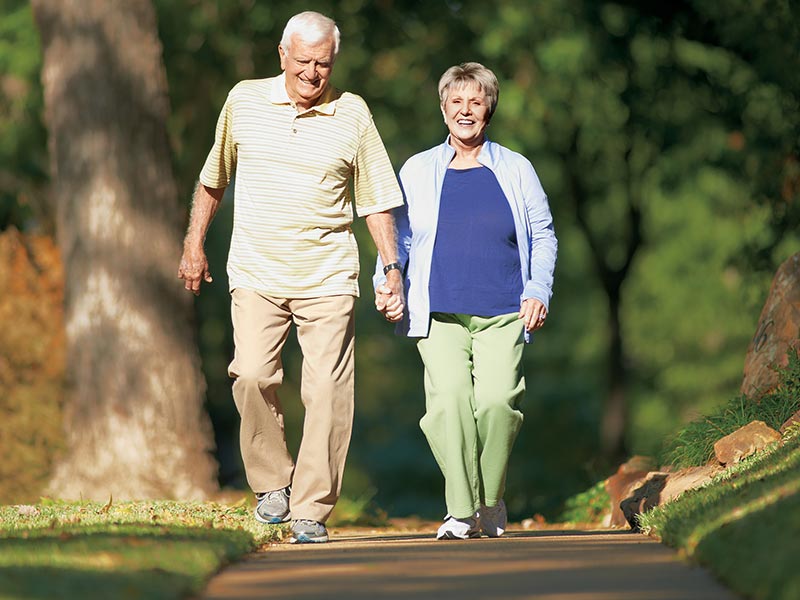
{"x":744,"y":526}
{"x":693,"y":445}
{"x":126,"y":550}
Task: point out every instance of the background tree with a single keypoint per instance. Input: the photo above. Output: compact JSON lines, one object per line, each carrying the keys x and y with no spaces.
{"x":134,"y":416}
{"x":684,"y":113}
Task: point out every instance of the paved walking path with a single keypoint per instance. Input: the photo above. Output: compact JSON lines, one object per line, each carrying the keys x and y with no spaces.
{"x":546,"y":564}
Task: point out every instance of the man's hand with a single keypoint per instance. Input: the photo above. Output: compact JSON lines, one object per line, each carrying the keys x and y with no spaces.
{"x":389,"y":298}
{"x":194,"y":264}
{"x":533,"y":313}
{"x":194,"y":269}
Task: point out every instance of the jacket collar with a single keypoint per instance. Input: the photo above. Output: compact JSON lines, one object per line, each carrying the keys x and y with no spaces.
{"x":487,"y":157}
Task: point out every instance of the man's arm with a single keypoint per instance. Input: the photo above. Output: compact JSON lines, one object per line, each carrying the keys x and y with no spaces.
{"x":194,"y":264}
{"x":389,"y":298}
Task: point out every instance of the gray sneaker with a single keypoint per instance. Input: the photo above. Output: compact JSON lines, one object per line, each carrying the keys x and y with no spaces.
{"x":273,"y":507}
{"x":494,"y":519}
{"x":305,"y":531}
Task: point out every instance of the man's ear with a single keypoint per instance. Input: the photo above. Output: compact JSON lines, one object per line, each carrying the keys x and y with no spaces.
{"x":282,"y":54}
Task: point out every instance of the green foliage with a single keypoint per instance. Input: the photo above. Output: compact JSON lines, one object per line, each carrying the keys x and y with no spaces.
{"x":693,"y":445}
{"x":23,"y":155}
{"x":132,"y":549}
{"x":590,"y":506}
{"x":743,"y":525}
{"x":687,"y":113}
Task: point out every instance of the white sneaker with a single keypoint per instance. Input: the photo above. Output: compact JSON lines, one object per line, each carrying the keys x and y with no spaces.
{"x":493,"y":519}
{"x":459,"y":529}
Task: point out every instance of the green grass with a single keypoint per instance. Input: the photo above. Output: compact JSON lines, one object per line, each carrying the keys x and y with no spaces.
{"x":127,"y":550}
{"x":745,"y":525}
{"x":694,"y":444}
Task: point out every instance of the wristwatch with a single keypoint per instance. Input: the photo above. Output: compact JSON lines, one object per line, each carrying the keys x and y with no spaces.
{"x":391,"y":266}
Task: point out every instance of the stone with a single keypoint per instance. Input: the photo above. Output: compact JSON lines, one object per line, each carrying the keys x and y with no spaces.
{"x":688,"y":479}
{"x":744,"y":442}
{"x":660,"y":487}
{"x":793,"y":420}
{"x":645,"y":496}
{"x":778,"y":330}
{"x":629,"y":475}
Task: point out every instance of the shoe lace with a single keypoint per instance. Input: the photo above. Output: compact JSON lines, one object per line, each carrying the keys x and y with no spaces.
{"x":275,"y":495}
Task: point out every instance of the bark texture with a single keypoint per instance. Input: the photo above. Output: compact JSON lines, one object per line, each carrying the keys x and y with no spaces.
{"x":134,"y":416}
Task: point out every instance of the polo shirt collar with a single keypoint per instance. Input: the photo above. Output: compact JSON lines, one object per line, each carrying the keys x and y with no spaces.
{"x":326,"y":104}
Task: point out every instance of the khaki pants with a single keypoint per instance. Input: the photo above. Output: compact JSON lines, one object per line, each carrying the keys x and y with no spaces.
{"x":325,"y":332}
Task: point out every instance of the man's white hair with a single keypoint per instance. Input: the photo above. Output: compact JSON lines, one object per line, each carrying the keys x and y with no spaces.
{"x":312,"y":27}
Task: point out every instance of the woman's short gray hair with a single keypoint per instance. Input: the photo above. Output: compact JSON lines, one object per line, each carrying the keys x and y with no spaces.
{"x":312,"y":27}
{"x":466,"y":74}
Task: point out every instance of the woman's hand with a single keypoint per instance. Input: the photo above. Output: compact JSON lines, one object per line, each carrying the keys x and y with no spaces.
{"x":533,"y":313}
{"x":389,"y":303}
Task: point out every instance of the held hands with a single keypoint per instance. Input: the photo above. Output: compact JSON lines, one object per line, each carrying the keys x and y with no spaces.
{"x":194,"y":269}
{"x":389,"y":298}
{"x":533,"y":313}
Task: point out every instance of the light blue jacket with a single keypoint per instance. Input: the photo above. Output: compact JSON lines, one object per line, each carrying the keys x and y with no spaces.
{"x":421,"y":179}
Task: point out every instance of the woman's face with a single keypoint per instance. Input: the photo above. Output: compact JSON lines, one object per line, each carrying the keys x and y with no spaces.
{"x":466,"y":113}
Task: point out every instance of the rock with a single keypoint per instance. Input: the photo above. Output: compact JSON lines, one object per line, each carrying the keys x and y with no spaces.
{"x":660,"y":487}
{"x":620,"y":485}
{"x":688,"y":479}
{"x":644,"y":497}
{"x":778,"y":330}
{"x":744,"y":441}
{"x":793,"y":420}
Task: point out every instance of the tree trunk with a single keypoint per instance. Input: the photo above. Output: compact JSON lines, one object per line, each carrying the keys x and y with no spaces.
{"x":615,"y":410}
{"x":134,"y":416}
{"x":614,"y":420}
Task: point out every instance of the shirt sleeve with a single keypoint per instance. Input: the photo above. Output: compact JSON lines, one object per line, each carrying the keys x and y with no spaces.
{"x":221,"y":161}
{"x":400,"y":214}
{"x":374,"y":183}
{"x":543,"y":242}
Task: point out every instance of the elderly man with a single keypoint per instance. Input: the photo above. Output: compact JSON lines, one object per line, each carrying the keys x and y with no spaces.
{"x":295,"y":143}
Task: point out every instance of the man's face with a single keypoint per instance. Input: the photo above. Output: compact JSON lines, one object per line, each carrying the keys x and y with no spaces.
{"x":308,"y":68}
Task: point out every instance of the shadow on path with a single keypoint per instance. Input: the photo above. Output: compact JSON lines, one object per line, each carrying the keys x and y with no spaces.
{"x":554,"y":565}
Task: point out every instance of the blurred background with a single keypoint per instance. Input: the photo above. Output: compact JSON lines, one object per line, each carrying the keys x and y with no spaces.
{"x":665,"y":134}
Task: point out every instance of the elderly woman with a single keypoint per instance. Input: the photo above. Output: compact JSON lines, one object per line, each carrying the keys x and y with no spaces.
{"x":477,"y":246}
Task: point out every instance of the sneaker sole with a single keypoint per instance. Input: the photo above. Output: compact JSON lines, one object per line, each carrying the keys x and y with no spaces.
{"x":306,"y":539}
{"x":449,"y":535}
{"x":493,"y":534}
{"x":273,"y":520}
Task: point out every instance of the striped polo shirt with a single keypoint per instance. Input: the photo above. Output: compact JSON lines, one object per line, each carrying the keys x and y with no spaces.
{"x":292,"y":216}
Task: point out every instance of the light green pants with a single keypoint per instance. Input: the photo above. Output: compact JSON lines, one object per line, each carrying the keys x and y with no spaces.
{"x":473,"y":387}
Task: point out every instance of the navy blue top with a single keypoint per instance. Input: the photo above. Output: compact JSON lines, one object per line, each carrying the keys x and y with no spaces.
{"x":475,"y":267}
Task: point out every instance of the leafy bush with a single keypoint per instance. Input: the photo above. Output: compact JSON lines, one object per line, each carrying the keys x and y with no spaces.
{"x":587,"y":507}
